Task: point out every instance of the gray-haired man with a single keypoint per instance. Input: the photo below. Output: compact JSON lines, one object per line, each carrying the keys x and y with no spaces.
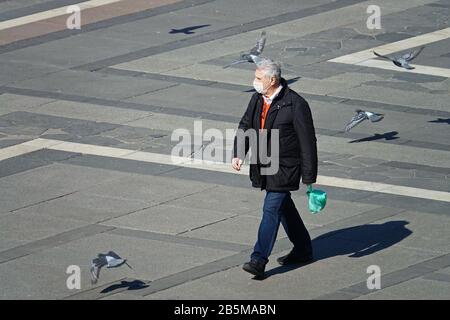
{"x":276,"y":106}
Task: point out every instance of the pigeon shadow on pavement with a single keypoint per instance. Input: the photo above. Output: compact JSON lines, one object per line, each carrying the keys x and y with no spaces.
{"x":131,"y":285}
{"x":440,"y":120}
{"x":387,"y":136}
{"x":356,"y":242}
{"x":188,"y":30}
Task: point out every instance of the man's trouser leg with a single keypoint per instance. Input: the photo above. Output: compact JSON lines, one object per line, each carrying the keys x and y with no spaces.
{"x":268,"y":228}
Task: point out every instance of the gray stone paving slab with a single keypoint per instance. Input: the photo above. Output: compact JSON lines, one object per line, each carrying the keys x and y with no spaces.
{"x":170,"y":219}
{"x":93,"y":84}
{"x":85,"y":207}
{"x":186,"y":232}
{"x":12,"y":71}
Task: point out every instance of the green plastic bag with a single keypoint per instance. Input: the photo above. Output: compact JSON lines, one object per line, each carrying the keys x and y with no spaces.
{"x":317,"y":199}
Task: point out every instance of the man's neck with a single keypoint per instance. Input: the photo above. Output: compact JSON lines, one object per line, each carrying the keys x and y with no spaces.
{"x":271,"y":91}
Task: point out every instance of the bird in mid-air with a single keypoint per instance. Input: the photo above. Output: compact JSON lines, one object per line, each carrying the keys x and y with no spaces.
{"x":362,"y":115}
{"x":110,"y":260}
{"x":253,"y":55}
{"x":404,"y":60}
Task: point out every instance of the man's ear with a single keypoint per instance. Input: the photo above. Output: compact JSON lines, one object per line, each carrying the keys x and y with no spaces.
{"x":273,"y":81}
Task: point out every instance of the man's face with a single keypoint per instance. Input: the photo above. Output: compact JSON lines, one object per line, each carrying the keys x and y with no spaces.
{"x":261,"y":77}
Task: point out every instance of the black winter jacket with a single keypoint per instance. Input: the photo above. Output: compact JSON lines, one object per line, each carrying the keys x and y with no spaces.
{"x":289,"y":113}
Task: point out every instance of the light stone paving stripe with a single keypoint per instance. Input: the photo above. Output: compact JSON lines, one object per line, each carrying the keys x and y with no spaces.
{"x":52,"y":13}
{"x":367,"y":58}
{"x":128,"y":154}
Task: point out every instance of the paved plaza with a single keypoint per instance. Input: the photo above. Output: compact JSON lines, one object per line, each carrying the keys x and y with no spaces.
{"x":88,"y":123}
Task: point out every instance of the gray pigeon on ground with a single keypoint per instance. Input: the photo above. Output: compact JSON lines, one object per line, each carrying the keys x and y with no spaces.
{"x":110,"y":260}
{"x":403,"y":61}
{"x":362,"y":115}
{"x":254,"y":54}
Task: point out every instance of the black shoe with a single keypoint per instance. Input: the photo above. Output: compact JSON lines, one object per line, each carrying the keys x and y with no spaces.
{"x":255,"y":267}
{"x":293,"y":258}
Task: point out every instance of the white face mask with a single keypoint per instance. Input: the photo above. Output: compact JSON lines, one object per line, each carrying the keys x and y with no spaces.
{"x":259,"y":87}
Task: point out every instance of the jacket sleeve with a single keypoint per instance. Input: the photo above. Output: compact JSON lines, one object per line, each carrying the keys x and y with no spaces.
{"x":304,"y":127}
{"x":244,"y":124}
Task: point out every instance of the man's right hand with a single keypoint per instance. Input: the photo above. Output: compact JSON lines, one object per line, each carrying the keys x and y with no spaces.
{"x":236,"y":163}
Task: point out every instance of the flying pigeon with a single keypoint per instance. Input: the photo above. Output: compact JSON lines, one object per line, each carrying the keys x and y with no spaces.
{"x":361,"y":116}
{"x":253,"y":55}
{"x":403,"y":61}
{"x":110,"y":260}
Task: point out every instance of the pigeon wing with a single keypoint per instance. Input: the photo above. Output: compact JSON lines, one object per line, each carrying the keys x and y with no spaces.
{"x":95,"y":272}
{"x":374,"y":117}
{"x":381,"y":56}
{"x":256,"y":59}
{"x":259,"y":47}
{"x":100,"y":261}
{"x":113,"y":254}
{"x":360,"y":117}
{"x":412,"y":55}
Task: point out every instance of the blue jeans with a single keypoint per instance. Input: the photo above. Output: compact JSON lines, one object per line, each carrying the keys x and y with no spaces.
{"x":279,"y":207}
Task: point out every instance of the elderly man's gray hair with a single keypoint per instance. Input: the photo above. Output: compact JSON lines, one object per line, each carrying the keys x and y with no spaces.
{"x":270,"y":68}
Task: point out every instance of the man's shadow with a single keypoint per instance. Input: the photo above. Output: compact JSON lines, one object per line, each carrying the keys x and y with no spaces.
{"x":356,"y":242}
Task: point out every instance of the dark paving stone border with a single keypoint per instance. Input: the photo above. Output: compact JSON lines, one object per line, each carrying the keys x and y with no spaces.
{"x":52,"y":241}
{"x":425,"y":268}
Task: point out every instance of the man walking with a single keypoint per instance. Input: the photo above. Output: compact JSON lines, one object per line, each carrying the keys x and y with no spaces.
{"x":276,"y":106}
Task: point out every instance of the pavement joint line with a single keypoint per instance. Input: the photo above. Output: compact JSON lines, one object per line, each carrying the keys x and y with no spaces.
{"x":208,"y":224}
{"x":159,"y":158}
{"x":393,"y":278}
{"x":368,"y":59}
{"x":43,"y":201}
{"x":153,"y":205}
